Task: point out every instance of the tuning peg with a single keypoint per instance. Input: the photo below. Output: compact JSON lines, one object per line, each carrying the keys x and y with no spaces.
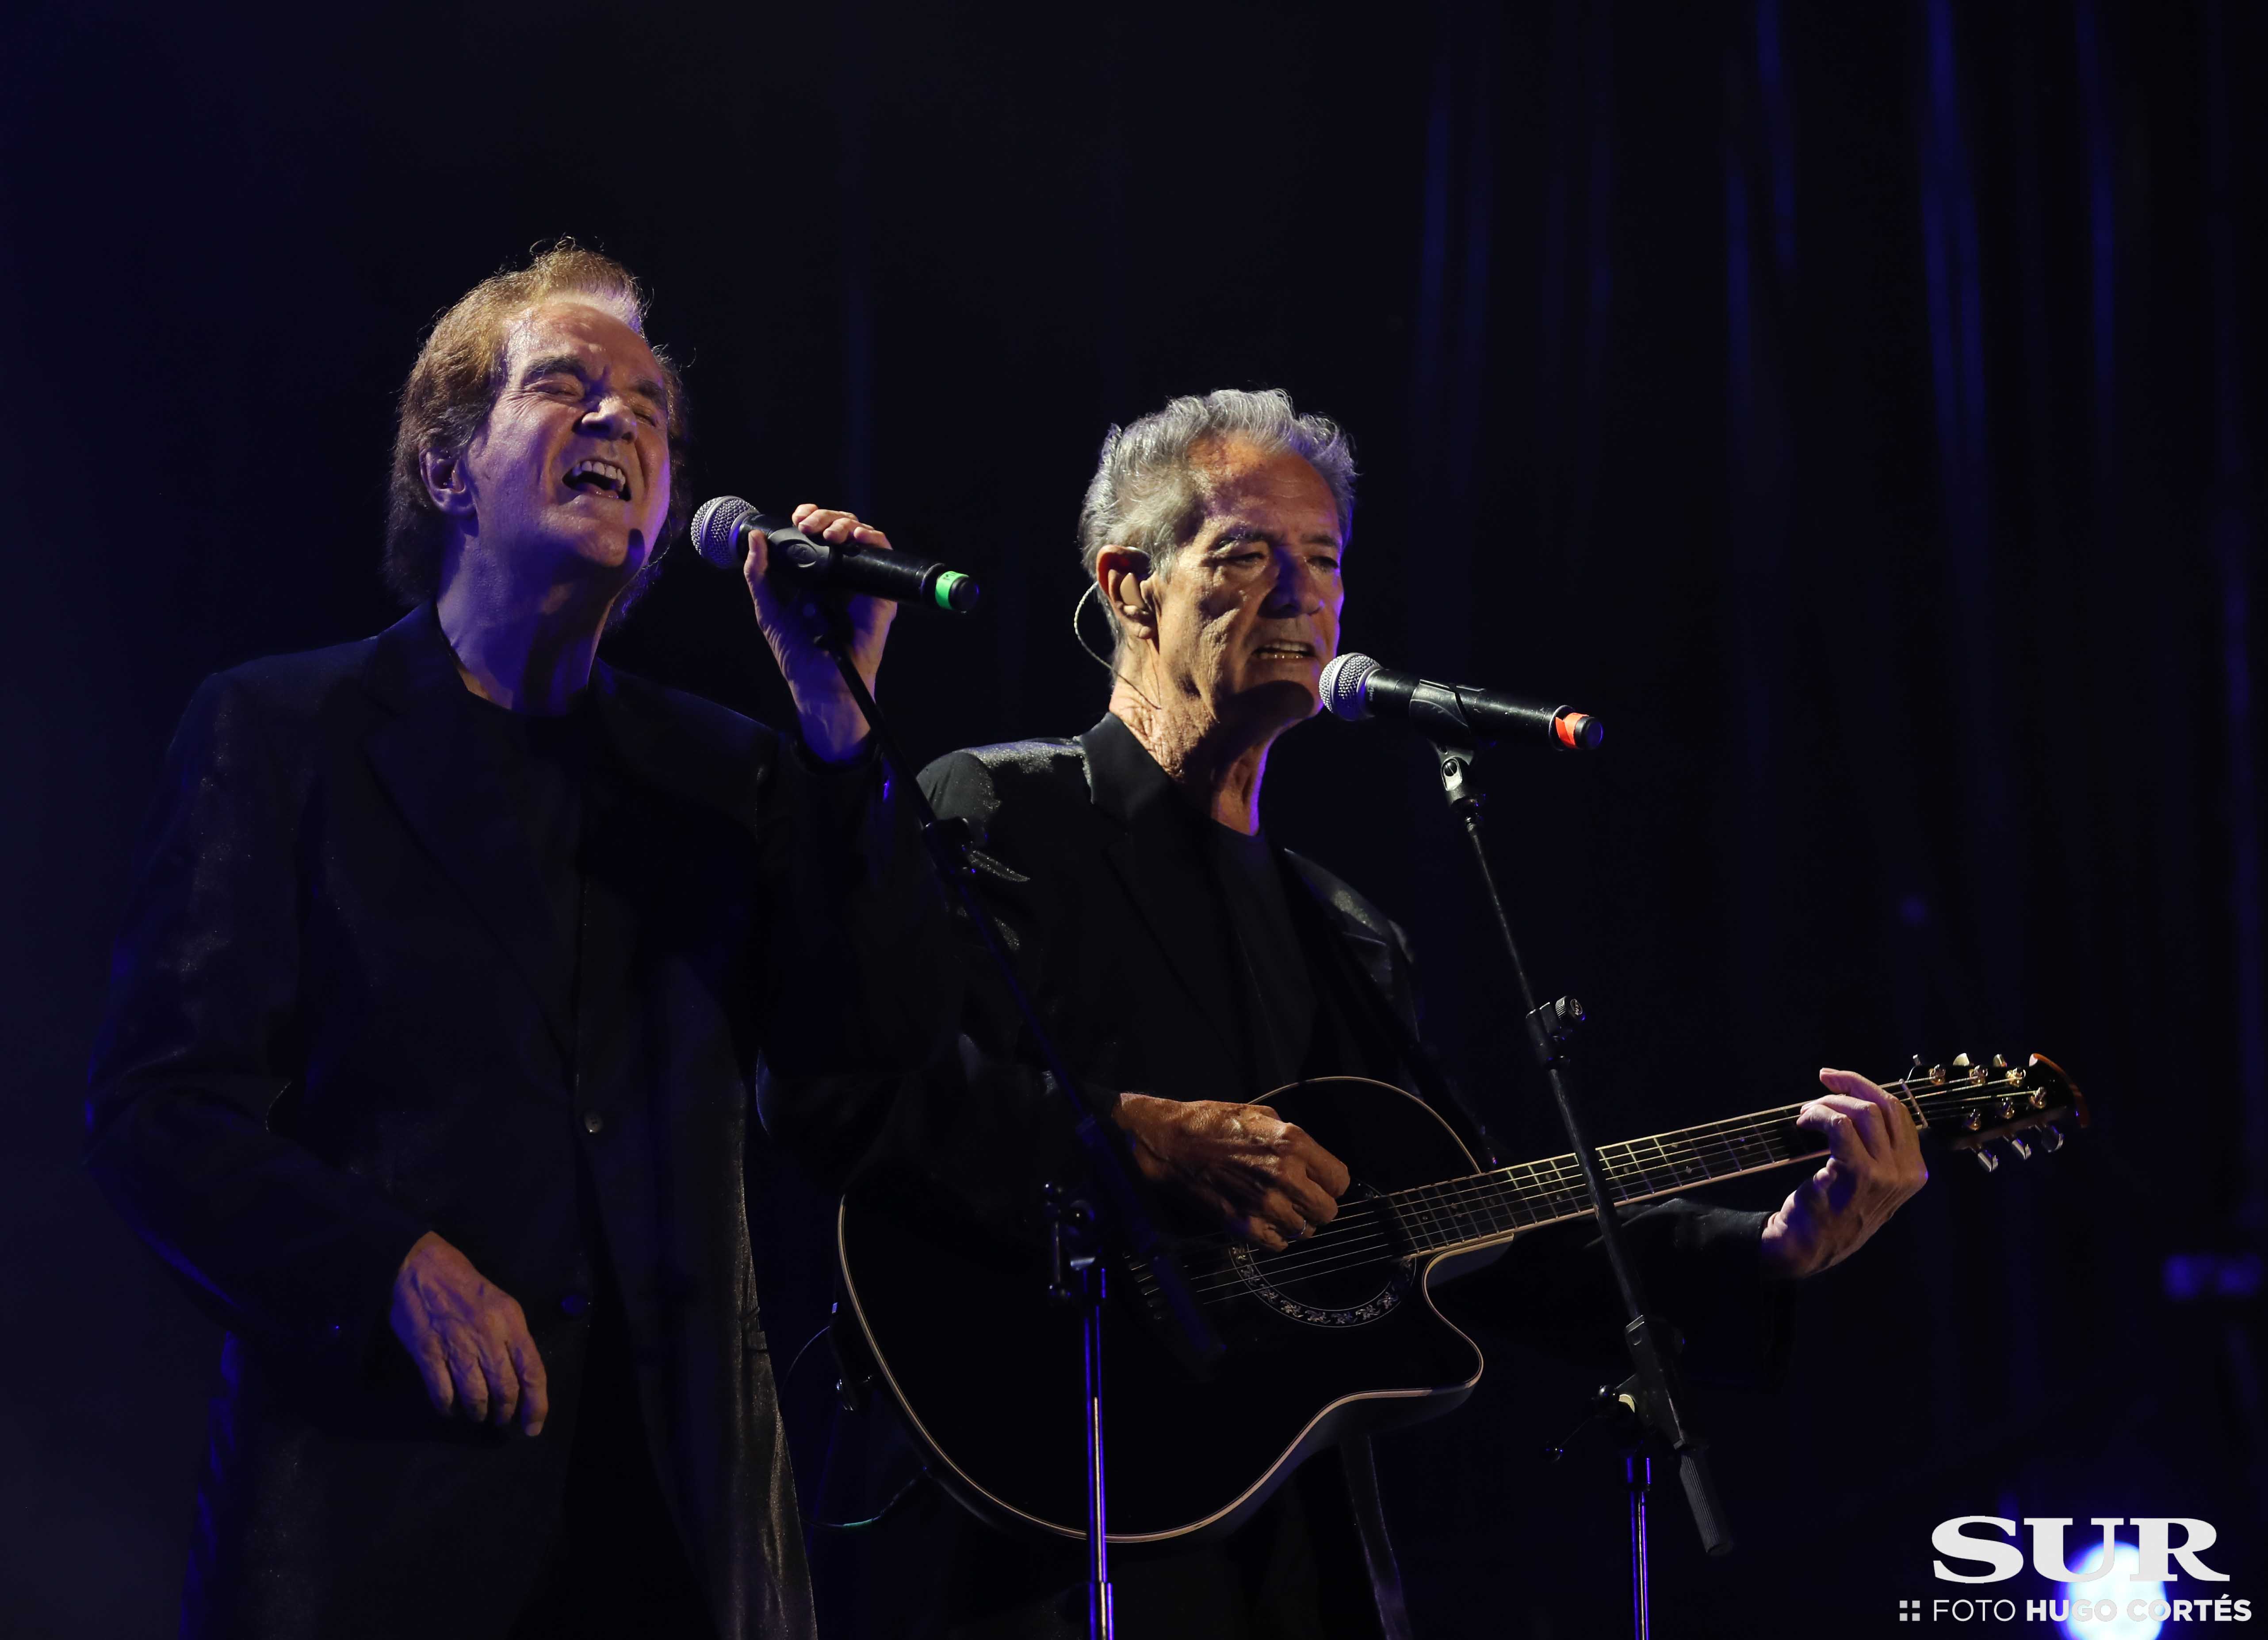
{"x":2052,"y":1138}
{"x":1998,"y":1062}
{"x":1960,"y":1061}
{"x":2022,"y":1146}
{"x":2007,"y":1110}
{"x":1937,"y":1074}
{"x":1987,"y":1160}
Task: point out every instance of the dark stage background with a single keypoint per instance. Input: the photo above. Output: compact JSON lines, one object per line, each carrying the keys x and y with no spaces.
{"x":1856,"y":405}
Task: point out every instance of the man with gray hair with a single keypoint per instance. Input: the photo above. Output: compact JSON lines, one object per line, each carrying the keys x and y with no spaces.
{"x":1185,"y":964}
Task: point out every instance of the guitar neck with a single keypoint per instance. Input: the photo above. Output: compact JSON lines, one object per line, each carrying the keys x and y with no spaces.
{"x":1481,"y":1207}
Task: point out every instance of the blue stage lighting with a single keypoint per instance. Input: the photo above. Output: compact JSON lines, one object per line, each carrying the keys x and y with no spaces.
{"x":2123,"y":1584}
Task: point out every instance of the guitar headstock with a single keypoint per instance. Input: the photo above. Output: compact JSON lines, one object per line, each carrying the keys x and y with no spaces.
{"x":1970,"y":1106}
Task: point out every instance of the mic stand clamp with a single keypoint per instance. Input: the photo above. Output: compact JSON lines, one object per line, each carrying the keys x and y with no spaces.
{"x":1655,"y":1392}
{"x":1110,"y":1210}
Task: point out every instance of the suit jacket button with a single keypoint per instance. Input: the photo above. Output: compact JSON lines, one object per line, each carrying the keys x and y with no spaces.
{"x":575,"y":1304}
{"x":593,"y":1121}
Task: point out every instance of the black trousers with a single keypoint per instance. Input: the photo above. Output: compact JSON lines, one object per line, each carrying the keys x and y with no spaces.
{"x":616,"y":1566}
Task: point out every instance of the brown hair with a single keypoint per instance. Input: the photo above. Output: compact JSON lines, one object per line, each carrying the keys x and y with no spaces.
{"x":454,"y":386}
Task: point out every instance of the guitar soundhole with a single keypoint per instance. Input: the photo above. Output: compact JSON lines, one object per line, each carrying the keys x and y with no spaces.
{"x":1347,"y":1274}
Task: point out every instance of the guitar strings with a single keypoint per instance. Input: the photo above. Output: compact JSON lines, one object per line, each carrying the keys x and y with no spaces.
{"x":1566,"y":1189}
{"x":1325,"y":1255}
{"x":1564,"y":1179}
{"x":1340,"y":1253}
{"x":1565,"y":1192}
{"x":1458,"y":1204}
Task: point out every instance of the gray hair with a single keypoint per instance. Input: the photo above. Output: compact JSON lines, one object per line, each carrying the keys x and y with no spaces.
{"x":1148,"y":493}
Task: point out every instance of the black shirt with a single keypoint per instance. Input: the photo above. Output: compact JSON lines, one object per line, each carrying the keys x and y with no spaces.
{"x":548,"y":762}
{"x":1276,"y":989}
{"x":614,"y":1565}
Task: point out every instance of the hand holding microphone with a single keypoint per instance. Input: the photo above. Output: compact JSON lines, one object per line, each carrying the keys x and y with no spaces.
{"x":788,"y":567}
{"x":723,"y":527}
{"x":833,"y":726}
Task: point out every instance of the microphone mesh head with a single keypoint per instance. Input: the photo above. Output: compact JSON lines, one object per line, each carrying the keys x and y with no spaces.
{"x":1343,"y":681}
{"x":716,"y":529}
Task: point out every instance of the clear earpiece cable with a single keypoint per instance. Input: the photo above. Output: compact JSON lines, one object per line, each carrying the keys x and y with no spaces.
{"x":1096,"y":655}
{"x":1078,"y":633}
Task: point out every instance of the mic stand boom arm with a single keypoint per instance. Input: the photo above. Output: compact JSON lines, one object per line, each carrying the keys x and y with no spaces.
{"x":1109,"y":1213}
{"x":1656,"y":1389}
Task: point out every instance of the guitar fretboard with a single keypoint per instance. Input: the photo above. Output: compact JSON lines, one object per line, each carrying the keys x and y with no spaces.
{"x":1484,"y":1207}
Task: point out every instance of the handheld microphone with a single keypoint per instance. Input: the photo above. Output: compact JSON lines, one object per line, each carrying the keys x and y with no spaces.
{"x":720,"y":535}
{"x":1355,"y":686}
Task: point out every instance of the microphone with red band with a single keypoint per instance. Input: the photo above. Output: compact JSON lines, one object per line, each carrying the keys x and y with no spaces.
{"x":1355,"y":686}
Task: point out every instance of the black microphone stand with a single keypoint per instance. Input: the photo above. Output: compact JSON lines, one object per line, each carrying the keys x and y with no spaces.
{"x":1107,"y":1212}
{"x":1652,"y":1399}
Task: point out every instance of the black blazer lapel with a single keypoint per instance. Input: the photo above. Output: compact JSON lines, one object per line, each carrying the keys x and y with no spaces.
{"x":650,"y":742}
{"x":1376,"y":1011}
{"x":1153,"y":855}
{"x":443,"y":776}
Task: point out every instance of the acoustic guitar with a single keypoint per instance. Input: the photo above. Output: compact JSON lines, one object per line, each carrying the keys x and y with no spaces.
{"x":1336,"y":1335}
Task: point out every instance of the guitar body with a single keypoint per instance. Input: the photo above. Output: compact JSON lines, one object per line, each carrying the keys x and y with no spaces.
{"x":1335,"y":1335}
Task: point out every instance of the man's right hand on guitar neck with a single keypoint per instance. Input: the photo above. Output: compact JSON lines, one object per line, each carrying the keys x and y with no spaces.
{"x":1259,"y":1177}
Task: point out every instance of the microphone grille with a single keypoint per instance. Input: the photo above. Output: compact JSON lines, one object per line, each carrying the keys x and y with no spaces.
{"x":716,"y":529}
{"x":1344,"y":686}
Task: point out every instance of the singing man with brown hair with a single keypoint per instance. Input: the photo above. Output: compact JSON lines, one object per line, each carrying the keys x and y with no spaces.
{"x":448,"y":968}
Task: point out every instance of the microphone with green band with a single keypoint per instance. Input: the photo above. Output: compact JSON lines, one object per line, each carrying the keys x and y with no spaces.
{"x":720,"y":535}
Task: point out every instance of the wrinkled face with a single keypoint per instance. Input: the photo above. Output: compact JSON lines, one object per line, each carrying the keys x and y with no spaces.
{"x":573,"y":462}
{"x":1250,"y":614}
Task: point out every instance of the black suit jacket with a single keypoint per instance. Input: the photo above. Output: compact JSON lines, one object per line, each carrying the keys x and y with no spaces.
{"x":1088,"y":859}
{"x":339,"y":1019}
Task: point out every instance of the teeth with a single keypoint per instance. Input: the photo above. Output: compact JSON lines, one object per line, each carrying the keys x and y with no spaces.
{"x":611,"y":473}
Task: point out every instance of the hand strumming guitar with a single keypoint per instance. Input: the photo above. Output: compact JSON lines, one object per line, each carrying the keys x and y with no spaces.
{"x":1260,"y":1177}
